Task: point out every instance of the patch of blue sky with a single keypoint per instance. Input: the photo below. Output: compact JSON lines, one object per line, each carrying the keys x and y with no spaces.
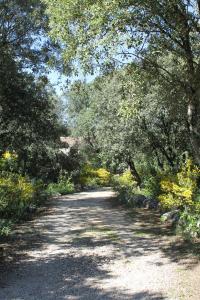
{"x":60,"y":81}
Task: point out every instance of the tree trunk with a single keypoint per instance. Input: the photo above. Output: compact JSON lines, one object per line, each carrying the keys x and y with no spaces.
{"x":160,"y":164}
{"x":134,"y":172}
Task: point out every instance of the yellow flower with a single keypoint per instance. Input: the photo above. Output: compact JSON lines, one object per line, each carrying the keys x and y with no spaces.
{"x":180,"y":190}
{"x":187,"y":194}
{"x":7,"y":155}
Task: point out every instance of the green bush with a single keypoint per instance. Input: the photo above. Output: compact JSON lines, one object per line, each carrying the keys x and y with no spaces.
{"x":125,"y":186}
{"x":189,"y":224}
{"x":91,"y":183}
{"x":63,"y":186}
{"x":5,"y":226}
{"x":151,"y":186}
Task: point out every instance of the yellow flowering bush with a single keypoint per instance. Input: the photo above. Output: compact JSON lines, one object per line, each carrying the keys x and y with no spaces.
{"x":8,"y":161}
{"x":125,"y":186}
{"x":124,"y":183}
{"x":16,"y":193}
{"x":9,"y":155}
{"x":180,"y":192}
{"x":103,"y":176}
{"x":18,"y":197}
{"x":94,"y":177}
{"x":126,"y":179}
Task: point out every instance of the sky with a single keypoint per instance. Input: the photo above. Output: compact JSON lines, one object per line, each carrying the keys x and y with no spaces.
{"x":59,"y":81}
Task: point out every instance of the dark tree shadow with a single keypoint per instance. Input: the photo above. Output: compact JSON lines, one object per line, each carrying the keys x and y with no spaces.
{"x":155,"y":235}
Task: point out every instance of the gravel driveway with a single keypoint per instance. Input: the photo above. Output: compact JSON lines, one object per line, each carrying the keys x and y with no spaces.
{"x":84,"y":247}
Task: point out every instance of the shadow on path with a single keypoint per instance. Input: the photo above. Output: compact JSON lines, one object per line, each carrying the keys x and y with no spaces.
{"x":67,"y":252}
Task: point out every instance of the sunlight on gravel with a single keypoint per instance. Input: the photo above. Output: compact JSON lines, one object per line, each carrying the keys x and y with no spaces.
{"x":84,"y":248}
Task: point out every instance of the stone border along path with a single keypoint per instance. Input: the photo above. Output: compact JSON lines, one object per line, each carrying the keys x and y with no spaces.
{"x":86,"y":248}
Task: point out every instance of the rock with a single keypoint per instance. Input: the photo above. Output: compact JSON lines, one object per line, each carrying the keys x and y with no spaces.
{"x":171,"y":216}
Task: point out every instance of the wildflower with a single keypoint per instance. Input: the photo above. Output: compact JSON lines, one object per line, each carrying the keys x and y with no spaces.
{"x":7,"y":155}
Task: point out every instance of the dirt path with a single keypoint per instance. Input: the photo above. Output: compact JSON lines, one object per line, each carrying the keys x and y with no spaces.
{"x":84,"y":248}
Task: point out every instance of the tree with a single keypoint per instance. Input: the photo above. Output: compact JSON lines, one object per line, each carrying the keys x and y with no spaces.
{"x":23,"y":33}
{"x":28,"y":117}
{"x":126,"y":118}
{"x":104,"y":32}
{"x":29,"y":109}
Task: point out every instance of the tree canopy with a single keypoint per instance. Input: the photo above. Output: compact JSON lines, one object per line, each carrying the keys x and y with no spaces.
{"x":29,"y":119}
{"x":107,"y":33}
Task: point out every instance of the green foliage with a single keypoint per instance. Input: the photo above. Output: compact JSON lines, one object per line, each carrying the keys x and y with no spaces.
{"x":120,"y":27}
{"x":5,"y":226}
{"x":29,"y":112}
{"x":189,"y":223}
{"x":180,"y":193}
{"x":152,"y":186}
{"x":64,"y":186}
{"x":125,"y":116}
{"x":125,"y":180}
{"x":9,"y":162}
{"x":22,"y":23}
{"x":162,"y":36}
{"x":125,"y":186}
{"x":18,"y":194}
{"x":89,"y":182}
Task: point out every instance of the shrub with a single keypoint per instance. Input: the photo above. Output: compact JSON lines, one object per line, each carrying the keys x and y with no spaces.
{"x":103,"y":176}
{"x":91,"y":177}
{"x":18,"y":197}
{"x":40,"y":194}
{"x":152,"y":186}
{"x":86,"y":174}
{"x":63,"y":186}
{"x":180,"y":191}
{"x":125,"y":186}
{"x":8,"y":162}
{"x":91,"y":183}
{"x":5,"y":226}
{"x":16,"y":194}
{"x":126,"y":180}
{"x":189,"y":223}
